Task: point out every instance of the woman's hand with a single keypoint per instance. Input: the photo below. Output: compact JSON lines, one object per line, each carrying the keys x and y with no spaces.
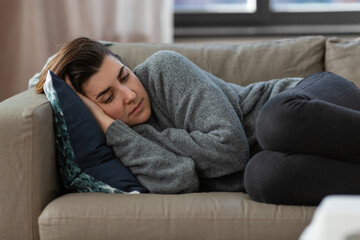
{"x":101,"y":117}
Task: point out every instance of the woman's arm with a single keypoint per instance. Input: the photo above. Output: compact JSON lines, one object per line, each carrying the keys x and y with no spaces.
{"x":200,"y":113}
{"x":157,"y":168}
{"x":211,"y":135}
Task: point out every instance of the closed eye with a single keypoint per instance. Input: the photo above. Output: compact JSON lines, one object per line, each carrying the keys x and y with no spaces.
{"x":125,"y":78}
{"x":109,"y":99}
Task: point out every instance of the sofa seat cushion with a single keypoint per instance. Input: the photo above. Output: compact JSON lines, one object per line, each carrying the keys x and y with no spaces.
{"x":215,"y":215}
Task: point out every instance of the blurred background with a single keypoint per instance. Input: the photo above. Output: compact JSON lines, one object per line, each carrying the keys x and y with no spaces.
{"x":32,"y":30}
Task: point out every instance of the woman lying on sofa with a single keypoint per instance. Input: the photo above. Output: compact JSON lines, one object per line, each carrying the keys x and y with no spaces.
{"x":285,"y":141}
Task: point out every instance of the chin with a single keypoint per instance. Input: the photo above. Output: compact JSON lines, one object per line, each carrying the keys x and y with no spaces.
{"x":144,"y":118}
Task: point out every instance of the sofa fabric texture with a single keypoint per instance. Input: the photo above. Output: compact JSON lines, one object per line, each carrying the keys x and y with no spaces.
{"x":241,"y":63}
{"x":28,"y":177}
{"x":213,"y":215}
{"x":33,"y":203}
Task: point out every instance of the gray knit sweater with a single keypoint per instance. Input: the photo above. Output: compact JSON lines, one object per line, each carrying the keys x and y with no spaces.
{"x":201,"y":129}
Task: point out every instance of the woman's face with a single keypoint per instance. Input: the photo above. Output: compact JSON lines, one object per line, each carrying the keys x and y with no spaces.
{"x":118,"y":91}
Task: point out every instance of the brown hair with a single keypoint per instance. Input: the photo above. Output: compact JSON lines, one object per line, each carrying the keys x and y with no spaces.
{"x":79,"y":59}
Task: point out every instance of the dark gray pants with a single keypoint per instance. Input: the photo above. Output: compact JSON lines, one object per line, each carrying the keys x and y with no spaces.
{"x":310,"y":136}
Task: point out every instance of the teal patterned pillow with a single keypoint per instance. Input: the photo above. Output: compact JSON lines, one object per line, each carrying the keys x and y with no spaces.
{"x":84,"y":161}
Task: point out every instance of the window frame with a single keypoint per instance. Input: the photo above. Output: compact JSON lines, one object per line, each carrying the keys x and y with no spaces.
{"x":265,"y":22}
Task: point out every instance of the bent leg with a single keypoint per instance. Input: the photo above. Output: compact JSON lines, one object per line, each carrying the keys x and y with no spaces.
{"x":331,"y":88}
{"x":297,"y":179}
{"x":320,"y":116}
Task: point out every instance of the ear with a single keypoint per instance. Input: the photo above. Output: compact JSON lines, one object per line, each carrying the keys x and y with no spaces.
{"x":68,"y":82}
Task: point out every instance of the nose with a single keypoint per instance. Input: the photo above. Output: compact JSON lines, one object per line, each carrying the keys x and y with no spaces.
{"x":127,"y":94}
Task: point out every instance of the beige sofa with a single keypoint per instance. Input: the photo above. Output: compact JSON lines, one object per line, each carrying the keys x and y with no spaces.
{"x":32,"y":203}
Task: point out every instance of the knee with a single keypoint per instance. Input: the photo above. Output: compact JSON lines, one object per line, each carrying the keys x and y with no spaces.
{"x":278,"y":120}
{"x":263,"y":178}
{"x":256,"y":180}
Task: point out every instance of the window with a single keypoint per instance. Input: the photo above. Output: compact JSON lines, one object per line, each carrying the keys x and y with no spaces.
{"x":196,"y":18}
{"x":219,"y":6}
{"x":314,"y":5}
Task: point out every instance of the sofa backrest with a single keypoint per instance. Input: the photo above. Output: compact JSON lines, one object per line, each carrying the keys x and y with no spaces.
{"x":241,"y":63}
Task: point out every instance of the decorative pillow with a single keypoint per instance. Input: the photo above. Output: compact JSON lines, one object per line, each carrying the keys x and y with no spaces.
{"x":85,"y":162}
{"x":342,"y":57}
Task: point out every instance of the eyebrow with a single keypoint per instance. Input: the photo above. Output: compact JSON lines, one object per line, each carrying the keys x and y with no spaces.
{"x":102,"y":92}
{"x":107,"y":89}
{"x":121,"y":71}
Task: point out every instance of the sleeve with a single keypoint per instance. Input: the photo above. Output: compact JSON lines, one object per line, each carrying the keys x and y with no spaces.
{"x":159,"y":170}
{"x":206,"y":126}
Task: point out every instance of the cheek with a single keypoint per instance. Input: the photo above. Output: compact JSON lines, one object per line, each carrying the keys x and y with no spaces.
{"x":115,"y":111}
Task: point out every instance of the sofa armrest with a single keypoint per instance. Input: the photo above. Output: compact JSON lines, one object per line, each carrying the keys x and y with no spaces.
{"x":28,"y":177}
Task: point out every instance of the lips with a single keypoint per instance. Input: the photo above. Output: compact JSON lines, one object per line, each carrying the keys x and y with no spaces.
{"x":138,"y":106}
